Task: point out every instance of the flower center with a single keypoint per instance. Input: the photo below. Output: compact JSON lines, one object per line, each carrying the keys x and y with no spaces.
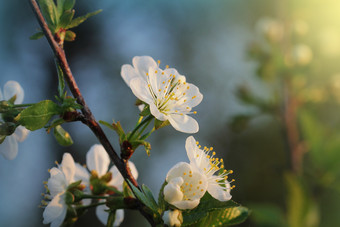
{"x":193,"y":186}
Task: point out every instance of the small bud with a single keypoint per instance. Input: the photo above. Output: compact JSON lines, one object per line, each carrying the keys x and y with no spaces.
{"x":107,"y":177}
{"x":3,"y":106}
{"x":126,"y":150}
{"x":173,"y":218}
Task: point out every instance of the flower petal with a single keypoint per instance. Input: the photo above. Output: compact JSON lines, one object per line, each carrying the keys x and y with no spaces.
{"x":21,"y":133}
{"x":55,"y":211}
{"x":97,"y":159}
{"x":178,"y":170}
{"x":190,"y":147}
{"x":103,"y":215}
{"x":143,"y":63}
{"x":140,"y":89}
{"x":82,"y":174}
{"x":12,"y":88}
{"x":183,"y":123}
{"x":172,"y":191}
{"x":128,"y":73}
{"x":9,"y":148}
{"x":155,"y":112}
{"x":117,"y":179}
{"x":186,"y":204}
{"x":194,"y":96}
{"x":57,"y":182}
{"x":218,"y":192}
{"x":67,"y":166}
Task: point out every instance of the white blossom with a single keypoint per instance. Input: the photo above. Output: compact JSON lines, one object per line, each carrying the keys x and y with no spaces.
{"x":166,"y":92}
{"x":9,"y":147}
{"x":302,"y":54}
{"x":61,"y":177}
{"x":270,"y":28}
{"x":212,"y":168}
{"x":185,"y":187}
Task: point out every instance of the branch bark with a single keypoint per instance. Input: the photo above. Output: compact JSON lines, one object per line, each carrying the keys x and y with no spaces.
{"x":90,"y":121}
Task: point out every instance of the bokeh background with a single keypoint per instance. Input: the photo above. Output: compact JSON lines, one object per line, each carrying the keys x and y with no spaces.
{"x":240,"y":69}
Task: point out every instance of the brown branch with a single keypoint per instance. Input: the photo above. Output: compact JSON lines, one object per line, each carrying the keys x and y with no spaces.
{"x":90,"y":121}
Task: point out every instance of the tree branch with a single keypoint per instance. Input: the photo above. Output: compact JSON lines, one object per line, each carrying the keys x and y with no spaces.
{"x":90,"y":120}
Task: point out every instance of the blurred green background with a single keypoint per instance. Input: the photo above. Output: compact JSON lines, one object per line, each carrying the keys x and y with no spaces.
{"x":270,"y":75}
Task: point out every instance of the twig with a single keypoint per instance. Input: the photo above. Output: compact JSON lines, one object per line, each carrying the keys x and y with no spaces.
{"x":89,"y":118}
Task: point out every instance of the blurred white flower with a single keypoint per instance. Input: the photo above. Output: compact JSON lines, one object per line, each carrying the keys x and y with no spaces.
{"x":185,"y":186}
{"x":270,"y":28}
{"x":173,"y":218}
{"x":212,"y":168}
{"x":98,"y":160}
{"x":300,"y":27}
{"x":167,"y":93}
{"x":302,"y":54}
{"x":57,"y":184}
{"x":9,"y":147}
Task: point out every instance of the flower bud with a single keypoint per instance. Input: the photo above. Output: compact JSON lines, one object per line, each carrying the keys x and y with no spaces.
{"x":107,"y":177}
{"x":173,"y":218}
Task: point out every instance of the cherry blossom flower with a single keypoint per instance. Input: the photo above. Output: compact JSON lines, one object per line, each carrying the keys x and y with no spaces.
{"x":98,"y":160}
{"x":212,"y":168}
{"x":167,"y":93}
{"x":9,"y":147}
{"x":61,"y":177}
{"x":186,"y":186}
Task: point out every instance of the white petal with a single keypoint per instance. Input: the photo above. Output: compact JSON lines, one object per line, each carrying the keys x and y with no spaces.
{"x":186,"y":204}
{"x":128,"y":73}
{"x":103,"y":215}
{"x":57,"y":182}
{"x":9,"y":148}
{"x":55,"y":211}
{"x":193,"y":91}
{"x":12,"y":88}
{"x":1,"y":96}
{"x":97,"y":159}
{"x":143,"y":63}
{"x":172,"y":191}
{"x":67,"y":166}
{"x":82,"y":174}
{"x":218,"y":192}
{"x":178,"y":170}
{"x":183,"y":123}
{"x":117,"y":179}
{"x":155,"y":112}
{"x":140,"y":89}
{"x":190,"y":147}
{"x":21,"y":133}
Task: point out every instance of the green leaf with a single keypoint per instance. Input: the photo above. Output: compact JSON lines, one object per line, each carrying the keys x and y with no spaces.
{"x":150,"y":203}
{"x":160,"y":124}
{"x":70,"y":36}
{"x":62,"y":136}
{"x":77,"y":21}
{"x":66,"y":18}
{"x":117,"y":127}
{"x":60,"y":7}
{"x":224,"y":217}
{"x":207,"y":204}
{"x":127,"y":191}
{"x":137,"y":143}
{"x":69,"y":4}
{"x":49,"y":11}
{"x":161,"y":202}
{"x":37,"y":115}
{"x":149,"y":196}
{"x":37,"y":35}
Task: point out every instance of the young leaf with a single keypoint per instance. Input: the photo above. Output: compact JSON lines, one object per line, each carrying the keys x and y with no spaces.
{"x":37,"y":35}
{"x":70,"y":36}
{"x":207,"y":204}
{"x":77,"y":21}
{"x":66,"y":18}
{"x":62,"y":137}
{"x":37,"y":115}
{"x":223,"y":217}
{"x":60,"y":7}
{"x":148,"y":194}
{"x":49,"y":11}
{"x":161,"y":201}
{"x":69,"y":4}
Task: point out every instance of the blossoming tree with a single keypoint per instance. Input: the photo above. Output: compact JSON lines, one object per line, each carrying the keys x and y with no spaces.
{"x":197,"y":193}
